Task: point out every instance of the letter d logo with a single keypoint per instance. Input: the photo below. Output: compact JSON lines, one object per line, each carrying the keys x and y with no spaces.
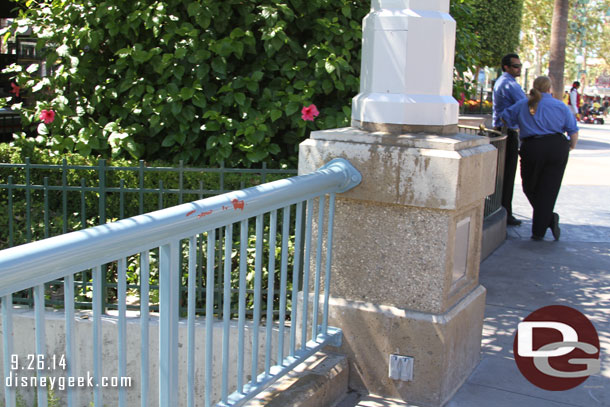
{"x":525,"y":338}
{"x":556,"y":348}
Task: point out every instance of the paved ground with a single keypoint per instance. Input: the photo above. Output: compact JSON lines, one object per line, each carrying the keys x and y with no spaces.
{"x":522,"y":276}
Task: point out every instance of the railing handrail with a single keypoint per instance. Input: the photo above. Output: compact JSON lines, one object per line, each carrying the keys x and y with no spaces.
{"x":41,"y":261}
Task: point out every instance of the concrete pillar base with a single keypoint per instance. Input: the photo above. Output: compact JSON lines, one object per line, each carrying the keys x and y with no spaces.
{"x":445,"y":347}
{"x":405,"y":262}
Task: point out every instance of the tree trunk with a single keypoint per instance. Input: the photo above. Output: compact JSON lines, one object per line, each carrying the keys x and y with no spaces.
{"x":559,"y":32}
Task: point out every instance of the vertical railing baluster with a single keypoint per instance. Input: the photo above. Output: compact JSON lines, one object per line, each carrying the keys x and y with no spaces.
{"x":329,"y":252}
{"x":121,"y":198}
{"x":226,"y":312}
{"x":122,"y":306}
{"x":241,"y":317}
{"x":64,"y":194}
{"x":270,"y":289}
{"x":102,"y":192}
{"x":180,"y":181}
{"x":144,"y":327}
{"x":41,"y":348}
{"x":10,"y":395}
{"x":141,"y":185}
{"x":222,"y":177}
{"x":102,"y":214}
{"x":209,"y":315}
{"x":264,"y":173}
{"x":69,"y":316}
{"x":28,"y":202}
{"x":97,"y":336}
{"x":46,"y":205}
{"x":11,"y":226}
{"x":258,"y":261}
{"x":169,"y":296}
{"x":160,"y":203}
{"x":83,"y":220}
{"x":200,"y":276}
{"x":218,"y":273}
{"x":283,"y":284}
{"x":306,"y":269}
{"x":295,"y":277}
{"x":318,"y":276}
{"x":83,"y":204}
{"x":192,"y":279}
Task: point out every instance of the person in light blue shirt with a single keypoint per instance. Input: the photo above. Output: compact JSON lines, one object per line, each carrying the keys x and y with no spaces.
{"x":506,"y":93}
{"x":548,"y":132}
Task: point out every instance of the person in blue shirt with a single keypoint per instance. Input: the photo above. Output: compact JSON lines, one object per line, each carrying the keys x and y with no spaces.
{"x":506,"y":93}
{"x":543,"y":123}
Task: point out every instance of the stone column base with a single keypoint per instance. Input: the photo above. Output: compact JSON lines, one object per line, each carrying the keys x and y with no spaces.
{"x":445,"y":347}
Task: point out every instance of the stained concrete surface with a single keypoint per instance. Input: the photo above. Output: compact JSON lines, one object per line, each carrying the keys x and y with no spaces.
{"x":523,"y":275}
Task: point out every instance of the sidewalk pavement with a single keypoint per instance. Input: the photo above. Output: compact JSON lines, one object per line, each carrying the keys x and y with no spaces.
{"x":523,"y":275}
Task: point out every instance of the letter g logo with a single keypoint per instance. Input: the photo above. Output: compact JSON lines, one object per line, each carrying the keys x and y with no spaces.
{"x":556,"y":348}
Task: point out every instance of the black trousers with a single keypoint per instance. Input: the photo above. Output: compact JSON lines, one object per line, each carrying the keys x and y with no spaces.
{"x":510,"y":169}
{"x":543,"y":162}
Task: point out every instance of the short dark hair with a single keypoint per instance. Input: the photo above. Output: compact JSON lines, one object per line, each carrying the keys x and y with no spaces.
{"x":576,"y":83}
{"x":506,"y":60}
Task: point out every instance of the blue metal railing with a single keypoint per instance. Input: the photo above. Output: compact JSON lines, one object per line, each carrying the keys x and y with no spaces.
{"x":42,"y":200}
{"x":34,"y":264}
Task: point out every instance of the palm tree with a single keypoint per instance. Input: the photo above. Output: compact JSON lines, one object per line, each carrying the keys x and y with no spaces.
{"x":559,"y":30}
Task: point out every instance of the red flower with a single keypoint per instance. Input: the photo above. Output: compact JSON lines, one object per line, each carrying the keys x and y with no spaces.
{"x":15,"y":89}
{"x":308,"y":113}
{"x":47,"y":116}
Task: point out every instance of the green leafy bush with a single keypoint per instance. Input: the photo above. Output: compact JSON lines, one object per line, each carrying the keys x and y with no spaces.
{"x":202,"y":81}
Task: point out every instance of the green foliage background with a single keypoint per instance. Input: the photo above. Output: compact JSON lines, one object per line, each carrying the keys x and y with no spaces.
{"x":202,"y":81}
{"x":468,"y":50}
{"x":498,"y":23}
{"x":208,"y":81}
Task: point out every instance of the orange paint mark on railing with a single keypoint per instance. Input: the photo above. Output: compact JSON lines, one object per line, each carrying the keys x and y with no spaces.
{"x":237,"y":204}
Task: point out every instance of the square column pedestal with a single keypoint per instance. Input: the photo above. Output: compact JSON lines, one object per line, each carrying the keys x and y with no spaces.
{"x":407,"y":247}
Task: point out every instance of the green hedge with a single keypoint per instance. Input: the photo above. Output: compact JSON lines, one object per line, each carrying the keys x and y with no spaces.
{"x":202,"y":81}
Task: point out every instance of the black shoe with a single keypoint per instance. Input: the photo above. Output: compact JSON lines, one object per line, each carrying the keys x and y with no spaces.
{"x":555,"y":226}
{"x":512,"y":221}
{"x":537,"y":238}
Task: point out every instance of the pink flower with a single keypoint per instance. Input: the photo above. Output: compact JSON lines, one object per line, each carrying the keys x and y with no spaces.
{"x":47,"y":116}
{"x":308,"y":113}
{"x":462,"y":98}
{"x":15,"y":89}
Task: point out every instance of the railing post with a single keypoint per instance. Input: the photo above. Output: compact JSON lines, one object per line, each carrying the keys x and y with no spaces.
{"x":7,"y":347}
{"x":41,"y":348}
{"x":102,"y":213}
{"x":169,"y":290}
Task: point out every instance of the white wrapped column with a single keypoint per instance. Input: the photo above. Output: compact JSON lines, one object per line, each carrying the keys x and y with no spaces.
{"x":407,"y":68}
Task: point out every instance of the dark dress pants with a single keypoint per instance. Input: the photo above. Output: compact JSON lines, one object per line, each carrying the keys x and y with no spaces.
{"x":543,"y":162}
{"x":510,"y":169}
